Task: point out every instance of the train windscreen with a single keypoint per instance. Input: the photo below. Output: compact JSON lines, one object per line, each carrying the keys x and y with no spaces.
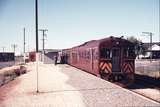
{"x":105,"y":53}
{"x":129,"y":52}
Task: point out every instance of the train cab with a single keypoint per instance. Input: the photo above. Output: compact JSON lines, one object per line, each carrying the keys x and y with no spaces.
{"x":116,"y":59}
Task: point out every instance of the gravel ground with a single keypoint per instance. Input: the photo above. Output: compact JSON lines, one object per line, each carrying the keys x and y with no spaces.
{"x":65,"y":86}
{"x":151,"y":93}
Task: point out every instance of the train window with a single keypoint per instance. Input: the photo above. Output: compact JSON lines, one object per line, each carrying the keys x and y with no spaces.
{"x":93,"y":53}
{"x":129,"y":52}
{"x":105,"y":53}
{"x":125,"y":52}
{"x":80,"y":54}
{"x":96,"y":56}
{"x":83,"y":54}
{"x":88,"y":55}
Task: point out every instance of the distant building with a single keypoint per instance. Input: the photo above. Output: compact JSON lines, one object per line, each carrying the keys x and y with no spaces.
{"x":48,"y":56}
{"x":153,"y":50}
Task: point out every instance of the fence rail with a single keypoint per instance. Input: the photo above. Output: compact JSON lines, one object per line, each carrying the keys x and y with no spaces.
{"x":148,"y":68}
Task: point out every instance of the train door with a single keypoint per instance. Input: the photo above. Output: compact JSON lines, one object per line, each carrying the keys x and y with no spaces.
{"x":92,"y":59}
{"x":115,"y":60}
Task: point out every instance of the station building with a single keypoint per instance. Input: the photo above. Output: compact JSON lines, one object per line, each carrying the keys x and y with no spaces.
{"x":153,"y":50}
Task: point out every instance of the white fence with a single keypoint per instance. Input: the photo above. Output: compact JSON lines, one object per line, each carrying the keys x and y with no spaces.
{"x":147,"y":67}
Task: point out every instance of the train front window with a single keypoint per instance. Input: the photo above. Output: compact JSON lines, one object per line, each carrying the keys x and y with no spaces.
{"x":129,"y":52}
{"x":105,"y":53}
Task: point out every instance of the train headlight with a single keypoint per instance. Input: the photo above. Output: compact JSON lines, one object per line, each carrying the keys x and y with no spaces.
{"x":117,"y":43}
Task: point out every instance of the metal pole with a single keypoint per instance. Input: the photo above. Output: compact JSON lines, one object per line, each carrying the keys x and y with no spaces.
{"x":43,"y":42}
{"x":24,"y":44}
{"x":159,"y":42}
{"x":150,"y":34}
{"x":36,"y":20}
{"x":151,"y":45}
{"x":43,"y":46}
{"x":43,"y":39}
{"x":3,"y":48}
{"x":14,"y":47}
{"x":14,"y":50}
{"x":36,"y":25}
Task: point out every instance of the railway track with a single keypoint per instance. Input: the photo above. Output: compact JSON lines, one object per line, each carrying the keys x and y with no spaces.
{"x":147,"y":87}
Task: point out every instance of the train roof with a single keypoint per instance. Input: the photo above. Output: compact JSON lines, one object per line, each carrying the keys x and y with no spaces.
{"x":97,"y":43}
{"x":101,"y":41}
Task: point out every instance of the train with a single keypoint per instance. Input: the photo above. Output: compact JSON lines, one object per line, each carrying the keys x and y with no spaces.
{"x":111,"y":58}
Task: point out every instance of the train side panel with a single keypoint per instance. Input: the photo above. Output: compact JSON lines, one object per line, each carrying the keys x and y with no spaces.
{"x":85,"y":58}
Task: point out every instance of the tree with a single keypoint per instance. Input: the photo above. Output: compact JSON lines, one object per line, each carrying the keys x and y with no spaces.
{"x":139,"y":47}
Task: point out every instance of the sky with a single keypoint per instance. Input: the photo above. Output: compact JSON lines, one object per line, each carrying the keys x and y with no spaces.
{"x":73,"y":22}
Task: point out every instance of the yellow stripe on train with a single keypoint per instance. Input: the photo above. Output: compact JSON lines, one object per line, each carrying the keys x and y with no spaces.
{"x":127,"y":67}
{"x":107,"y":67}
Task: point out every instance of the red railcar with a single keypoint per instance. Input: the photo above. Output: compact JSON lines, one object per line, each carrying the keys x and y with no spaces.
{"x":110,"y":58}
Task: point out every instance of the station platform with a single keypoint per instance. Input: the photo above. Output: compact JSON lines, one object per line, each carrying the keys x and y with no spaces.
{"x":66,"y":86}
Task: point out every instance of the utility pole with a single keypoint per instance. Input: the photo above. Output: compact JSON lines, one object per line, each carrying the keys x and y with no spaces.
{"x":36,"y":30}
{"x":3,"y":48}
{"x":150,"y":34}
{"x":43,"y":41}
{"x":24,"y":43}
{"x":159,"y":41}
{"x":14,"y":46}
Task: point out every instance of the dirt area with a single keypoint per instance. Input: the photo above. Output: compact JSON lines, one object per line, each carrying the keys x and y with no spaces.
{"x":7,"y":74}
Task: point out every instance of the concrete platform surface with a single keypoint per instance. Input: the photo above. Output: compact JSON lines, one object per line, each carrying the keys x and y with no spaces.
{"x":66,"y":86}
